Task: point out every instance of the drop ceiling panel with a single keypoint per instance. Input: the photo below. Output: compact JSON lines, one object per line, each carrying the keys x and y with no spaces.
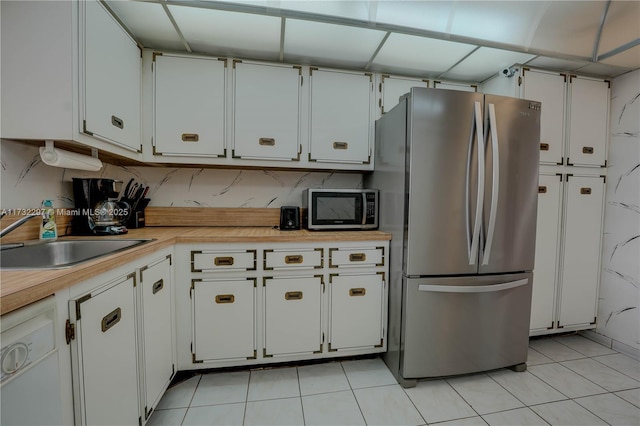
{"x":310,"y":42}
{"x":510,"y":22}
{"x":621,"y":26}
{"x":601,"y":70}
{"x":554,"y":64}
{"x":485,"y":62}
{"x":418,"y":55}
{"x":569,"y":27}
{"x":628,"y":59}
{"x":430,"y":15}
{"x":149,"y":23}
{"x":229,"y":33}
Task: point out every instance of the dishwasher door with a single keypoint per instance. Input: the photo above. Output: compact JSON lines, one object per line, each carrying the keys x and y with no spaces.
{"x":460,"y":325}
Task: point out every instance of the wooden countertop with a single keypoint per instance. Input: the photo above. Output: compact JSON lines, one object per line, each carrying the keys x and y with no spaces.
{"x":19,"y":288}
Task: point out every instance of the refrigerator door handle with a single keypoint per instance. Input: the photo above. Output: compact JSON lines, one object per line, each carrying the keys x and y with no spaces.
{"x":473,"y":288}
{"x":493,"y":129}
{"x":474,"y":244}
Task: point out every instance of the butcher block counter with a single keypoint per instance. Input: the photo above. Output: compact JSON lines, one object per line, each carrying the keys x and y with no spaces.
{"x":21,"y":287}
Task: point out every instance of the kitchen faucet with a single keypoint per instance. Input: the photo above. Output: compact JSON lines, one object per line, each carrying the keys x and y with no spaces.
{"x":16,"y":224}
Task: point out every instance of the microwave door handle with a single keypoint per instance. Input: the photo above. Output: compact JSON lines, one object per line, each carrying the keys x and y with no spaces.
{"x":364,"y":209}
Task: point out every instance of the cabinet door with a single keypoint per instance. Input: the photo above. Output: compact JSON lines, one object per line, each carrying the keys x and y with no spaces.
{"x":356,"y":318}
{"x":550,"y":89}
{"x":266,"y":111}
{"x":112,"y":75}
{"x":292,"y":313}
{"x":223,"y":319}
{"x":455,"y":86}
{"x":107,"y":361}
{"x":157,"y":331}
{"x":545,"y":272}
{"x":392,"y":88}
{"x":340,"y":116}
{"x":189,"y":106}
{"x":589,"y":122}
{"x":581,"y":253}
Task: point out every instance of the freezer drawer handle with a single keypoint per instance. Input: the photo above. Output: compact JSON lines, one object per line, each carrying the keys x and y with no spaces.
{"x":357,"y":257}
{"x":118,"y":122}
{"x":225,"y":298}
{"x":223,"y":261}
{"x":298,"y":258}
{"x":472,"y":288}
{"x":293,"y":295}
{"x":340,"y":145}
{"x":544,"y":147}
{"x":357,"y":291}
{"x":111,"y":319}
{"x":157,"y":286}
{"x":587,"y":150}
{"x":267,"y":141}
{"x":190,"y":137}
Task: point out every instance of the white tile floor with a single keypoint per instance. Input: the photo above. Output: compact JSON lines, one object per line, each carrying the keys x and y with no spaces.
{"x":570,"y":381}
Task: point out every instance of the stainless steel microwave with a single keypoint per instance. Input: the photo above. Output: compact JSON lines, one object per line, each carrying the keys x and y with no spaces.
{"x":340,"y":209}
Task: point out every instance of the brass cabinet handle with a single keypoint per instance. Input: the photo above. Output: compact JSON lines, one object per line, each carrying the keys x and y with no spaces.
{"x":357,"y":257}
{"x":542,"y":190}
{"x":585,"y":191}
{"x":340,"y":145}
{"x":190,"y":137}
{"x":118,"y":122}
{"x":587,"y":150}
{"x":267,"y":141}
{"x":223,"y":261}
{"x":225,"y":298}
{"x":111,"y":319}
{"x":293,"y":259}
{"x":157,"y":286}
{"x":293,"y":295}
{"x":357,"y":291}
{"x":544,"y":147}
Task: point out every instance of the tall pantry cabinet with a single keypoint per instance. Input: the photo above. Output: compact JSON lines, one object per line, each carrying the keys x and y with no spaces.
{"x":573,"y":155}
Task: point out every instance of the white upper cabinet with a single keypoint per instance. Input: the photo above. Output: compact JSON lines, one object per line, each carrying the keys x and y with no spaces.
{"x":266,"y":110}
{"x":112,"y":80}
{"x":189,"y":106}
{"x":340,"y":116}
{"x":588,"y":122}
{"x":392,"y":88}
{"x":461,"y":87}
{"x":550,"y":89}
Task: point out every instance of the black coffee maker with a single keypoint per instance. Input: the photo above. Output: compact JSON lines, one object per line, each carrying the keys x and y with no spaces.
{"x":97,"y":210}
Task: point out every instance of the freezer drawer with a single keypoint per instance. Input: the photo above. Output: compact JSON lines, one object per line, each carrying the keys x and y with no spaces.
{"x":459,"y":325}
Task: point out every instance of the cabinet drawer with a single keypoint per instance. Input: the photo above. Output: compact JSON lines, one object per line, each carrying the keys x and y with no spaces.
{"x":293,"y":259}
{"x":223,"y":260}
{"x":353,"y":257}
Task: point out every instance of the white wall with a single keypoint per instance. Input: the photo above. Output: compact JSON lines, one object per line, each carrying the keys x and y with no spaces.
{"x":619,"y":302}
{"x":26,"y":181}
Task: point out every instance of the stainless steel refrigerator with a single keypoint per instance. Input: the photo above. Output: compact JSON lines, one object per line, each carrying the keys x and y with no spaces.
{"x":458,"y":180}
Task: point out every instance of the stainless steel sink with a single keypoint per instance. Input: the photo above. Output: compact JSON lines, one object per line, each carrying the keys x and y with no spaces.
{"x":61,"y":254}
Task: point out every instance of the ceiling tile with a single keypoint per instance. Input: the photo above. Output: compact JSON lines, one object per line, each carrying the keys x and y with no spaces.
{"x":149,"y":23}
{"x":621,"y":26}
{"x":601,"y":70}
{"x":485,"y":62}
{"x":229,"y":33}
{"x":554,"y":64}
{"x":569,"y":27}
{"x":630,"y":58}
{"x":423,"y":15}
{"x":419,"y":56}
{"x":312,"y":42}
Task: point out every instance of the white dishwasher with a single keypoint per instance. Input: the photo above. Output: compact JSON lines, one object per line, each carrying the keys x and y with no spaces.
{"x":30,"y":389}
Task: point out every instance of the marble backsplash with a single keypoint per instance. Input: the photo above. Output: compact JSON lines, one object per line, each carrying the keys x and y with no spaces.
{"x":619,"y":298}
{"x":26,"y":181}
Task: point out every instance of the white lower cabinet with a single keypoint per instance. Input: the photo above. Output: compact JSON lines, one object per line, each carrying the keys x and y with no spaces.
{"x":121,"y":334}
{"x":224,"y":319}
{"x":292,"y":315}
{"x":157,"y":337}
{"x":268,"y":302}
{"x":105,"y":352}
{"x":568,"y":249}
{"x":361,"y":293}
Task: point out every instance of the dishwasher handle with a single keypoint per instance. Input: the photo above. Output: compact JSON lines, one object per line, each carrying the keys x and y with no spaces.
{"x":473,"y":288}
